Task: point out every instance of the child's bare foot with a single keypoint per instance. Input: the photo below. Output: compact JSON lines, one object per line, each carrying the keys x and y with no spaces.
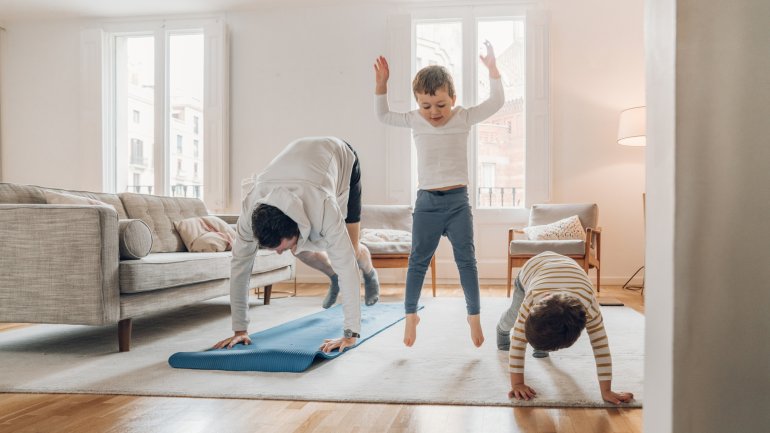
{"x":477,"y":336}
{"x":410,"y":329}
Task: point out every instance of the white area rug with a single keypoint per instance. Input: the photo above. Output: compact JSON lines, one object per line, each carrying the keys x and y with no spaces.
{"x":443,"y":367}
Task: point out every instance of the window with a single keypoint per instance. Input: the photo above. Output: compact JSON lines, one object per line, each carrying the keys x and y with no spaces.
{"x":137,"y":152}
{"x":152,"y":77}
{"x":509,"y":153}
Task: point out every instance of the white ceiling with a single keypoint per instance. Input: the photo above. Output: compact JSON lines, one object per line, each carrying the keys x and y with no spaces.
{"x":45,"y":9}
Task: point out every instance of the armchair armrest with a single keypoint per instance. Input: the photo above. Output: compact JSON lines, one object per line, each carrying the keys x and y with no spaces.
{"x":59,"y":264}
{"x":594,"y":240}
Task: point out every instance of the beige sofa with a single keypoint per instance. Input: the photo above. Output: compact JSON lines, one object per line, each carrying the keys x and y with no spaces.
{"x":71,"y":263}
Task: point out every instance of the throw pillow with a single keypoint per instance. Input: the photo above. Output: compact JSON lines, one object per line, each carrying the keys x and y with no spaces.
{"x":385,"y":235}
{"x":53,"y":197}
{"x":567,"y":228}
{"x":206,"y":234}
{"x":134,"y":239}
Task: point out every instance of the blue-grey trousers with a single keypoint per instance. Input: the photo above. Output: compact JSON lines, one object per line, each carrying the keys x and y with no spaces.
{"x":446,"y":213}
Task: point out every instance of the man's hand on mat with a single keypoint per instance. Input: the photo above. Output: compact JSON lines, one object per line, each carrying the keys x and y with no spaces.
{"x":617,"y":397}
{"x":521,"y":391}
{"x":239,"y":337}
{"x":341,"y":343}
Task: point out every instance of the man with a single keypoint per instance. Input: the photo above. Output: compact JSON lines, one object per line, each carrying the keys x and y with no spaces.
{"x":307,"y":201}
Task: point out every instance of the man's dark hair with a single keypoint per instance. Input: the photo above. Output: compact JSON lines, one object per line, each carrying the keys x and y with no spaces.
{"x":432,"y":78}
{"x":270,"y":226}
{"x":555,"y":323}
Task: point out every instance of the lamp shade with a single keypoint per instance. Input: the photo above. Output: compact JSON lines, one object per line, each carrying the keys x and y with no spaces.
{"x":631,"y":127}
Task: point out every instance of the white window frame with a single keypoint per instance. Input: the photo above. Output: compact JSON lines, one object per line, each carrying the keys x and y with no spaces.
{"x":537,"y":98}
{"x":97,"y":89}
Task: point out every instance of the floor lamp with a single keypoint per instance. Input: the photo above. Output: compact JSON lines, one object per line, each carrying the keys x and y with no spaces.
{"x":632,"y":127}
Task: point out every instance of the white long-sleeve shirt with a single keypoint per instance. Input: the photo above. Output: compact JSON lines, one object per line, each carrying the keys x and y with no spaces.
{"x":442,"y":152}
{"x":310,"y":182}
{"x":550,"y":273}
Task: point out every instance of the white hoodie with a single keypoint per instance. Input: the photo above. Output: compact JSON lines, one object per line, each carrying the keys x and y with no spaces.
{"x":310,"y":182}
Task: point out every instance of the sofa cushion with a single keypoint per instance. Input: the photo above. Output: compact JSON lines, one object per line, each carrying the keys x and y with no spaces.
{"x":21,"y":194}
{"x":134,"y":239}
{"x":106,"y":198}
{"x":163,"y":270}
{"x":207,"y":234}
{"x":160,"y":213}
{"x":568,"y":247}
{"x":56,"y":197}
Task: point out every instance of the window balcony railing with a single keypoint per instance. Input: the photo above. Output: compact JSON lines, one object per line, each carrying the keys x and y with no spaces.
{"x":181,"y":190}
{"x":178,"y":190}
{"x":497,"y":197}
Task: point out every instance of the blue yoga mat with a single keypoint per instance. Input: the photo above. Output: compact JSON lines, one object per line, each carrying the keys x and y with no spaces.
{"x":292,"y":346}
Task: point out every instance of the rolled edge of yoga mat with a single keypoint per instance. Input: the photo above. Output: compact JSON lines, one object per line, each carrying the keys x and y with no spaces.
{"x":291,"y":346}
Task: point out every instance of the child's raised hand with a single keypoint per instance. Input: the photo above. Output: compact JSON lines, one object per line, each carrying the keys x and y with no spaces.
{"x":521,"y":391}
{"x":489,"y":60}
{"x":381,"y":75}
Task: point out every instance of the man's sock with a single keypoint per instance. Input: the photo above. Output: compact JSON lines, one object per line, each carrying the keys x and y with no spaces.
{"x":371,"y":288}
{"x":503,"y":340}
{"x":331,"y":295}
{"x":540,"y":354}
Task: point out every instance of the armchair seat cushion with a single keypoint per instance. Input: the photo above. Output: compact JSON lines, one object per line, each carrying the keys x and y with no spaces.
{"x":387,"y":241}
{"x":564,"y":247}
{"x":164,"y":270}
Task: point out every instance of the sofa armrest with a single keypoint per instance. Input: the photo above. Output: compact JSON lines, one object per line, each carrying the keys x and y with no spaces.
{"x":228,"y":218}
{"x":59,"y":264}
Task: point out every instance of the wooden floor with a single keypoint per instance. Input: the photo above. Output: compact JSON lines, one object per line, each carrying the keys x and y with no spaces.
{"x":24,"y":413}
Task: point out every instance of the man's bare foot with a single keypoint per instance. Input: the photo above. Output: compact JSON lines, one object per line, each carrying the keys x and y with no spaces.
{"x":410,"y":329}
{"x":477,"y":336}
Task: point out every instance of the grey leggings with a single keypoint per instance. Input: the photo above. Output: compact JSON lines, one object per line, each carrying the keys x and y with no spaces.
{"x":438,"y":213}
{"x":508,"y":319}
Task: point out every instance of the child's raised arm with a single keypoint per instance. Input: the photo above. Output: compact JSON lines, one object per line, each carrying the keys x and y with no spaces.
{"x":381,"y":75}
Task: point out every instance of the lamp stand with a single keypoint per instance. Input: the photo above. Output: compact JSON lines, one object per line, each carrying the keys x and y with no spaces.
{"x":628,"y":286}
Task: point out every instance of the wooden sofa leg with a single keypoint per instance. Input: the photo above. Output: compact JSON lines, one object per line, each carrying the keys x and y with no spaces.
{"x":268,"y":292}
{"x":124,"y":335}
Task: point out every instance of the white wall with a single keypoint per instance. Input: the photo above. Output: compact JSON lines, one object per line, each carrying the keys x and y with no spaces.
{"x":308,"y":71}
{"x":661,"y":141}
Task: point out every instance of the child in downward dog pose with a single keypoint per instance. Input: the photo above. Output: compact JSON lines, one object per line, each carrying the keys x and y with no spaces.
{"x":552,"y":304}
{"x":442,"y":208}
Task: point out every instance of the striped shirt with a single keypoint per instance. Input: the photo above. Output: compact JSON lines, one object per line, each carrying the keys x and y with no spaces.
{"x":549,"y":273}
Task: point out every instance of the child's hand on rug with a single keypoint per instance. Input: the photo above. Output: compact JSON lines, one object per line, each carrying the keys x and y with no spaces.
{"x":239,"y":337}
{"x":617,"y":397}
{"x":521,"y":391}
{"x":341,"y":343}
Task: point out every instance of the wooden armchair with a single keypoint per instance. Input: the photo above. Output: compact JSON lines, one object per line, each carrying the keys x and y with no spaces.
{"x":391,"y":254}
{"x":586,"y":252}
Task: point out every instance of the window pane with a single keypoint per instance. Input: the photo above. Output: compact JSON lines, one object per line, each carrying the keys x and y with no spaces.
{"x":501,"y":138}
{"x":186,"y":117}
{"x":440,"y":43}
{"x":134,"y":113}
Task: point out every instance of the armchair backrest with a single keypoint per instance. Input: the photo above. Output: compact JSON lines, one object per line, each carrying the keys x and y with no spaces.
{"x":393,"y":217}
{"x":548,"y":213}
